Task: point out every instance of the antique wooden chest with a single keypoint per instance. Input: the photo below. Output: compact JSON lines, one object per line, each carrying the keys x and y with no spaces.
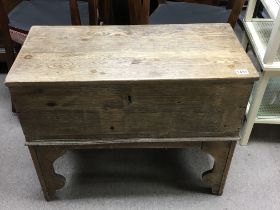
{"x":126,"y":85}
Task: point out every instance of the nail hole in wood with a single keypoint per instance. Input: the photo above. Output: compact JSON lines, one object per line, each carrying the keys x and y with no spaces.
{"x":129,"y":99}
{"x":51,"y":104}
{"x":112,"y":128}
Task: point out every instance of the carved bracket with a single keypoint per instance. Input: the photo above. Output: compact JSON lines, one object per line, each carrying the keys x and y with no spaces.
{"x":222,"y":152}
{"x":43,"y":158}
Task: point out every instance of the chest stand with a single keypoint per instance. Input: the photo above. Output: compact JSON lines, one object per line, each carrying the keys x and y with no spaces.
{"x":44,"y":156}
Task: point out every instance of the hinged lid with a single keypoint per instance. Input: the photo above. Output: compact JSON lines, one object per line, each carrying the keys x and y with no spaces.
{"x":130,"y":53}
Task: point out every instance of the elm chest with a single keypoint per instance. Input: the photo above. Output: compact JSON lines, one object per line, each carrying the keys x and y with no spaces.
{"x":129,"y":86}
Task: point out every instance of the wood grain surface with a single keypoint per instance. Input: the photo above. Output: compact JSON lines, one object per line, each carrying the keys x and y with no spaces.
{"x":131,"y":87}
{"x":130,"y":82}
{"x":130,"y":53}
{"x":44,"y":157}
{"x":137,"y":110}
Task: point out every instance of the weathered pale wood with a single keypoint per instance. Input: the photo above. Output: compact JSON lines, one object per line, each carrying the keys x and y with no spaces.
{"x":131,"y":82}
{"x":129,"y":143}
{"x":169,"y":52}
{"x":43,"y":159}
{"x":44,"y":156}
{"x":150,"y":110}
{"x":222,"y":153}
{"x":131,"y":87}
{"x":118,"y":145}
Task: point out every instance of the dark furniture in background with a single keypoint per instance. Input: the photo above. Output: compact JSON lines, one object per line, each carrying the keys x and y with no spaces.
{"x":77,"y":16}
{"x":10,"y":4}
{"x":177,"y":11}
{"x":25,"y":13}
{"x":119,"y":12}
{"x":181,"y":12}
{"x":18,"y":16}
{"x":45,"y":12}
{"x":6,"y":46}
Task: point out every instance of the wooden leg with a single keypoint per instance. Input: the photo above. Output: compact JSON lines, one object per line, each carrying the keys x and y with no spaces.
{"x":222,"y":152}
{"x":43,"y":158}
{"x":245,"y":41}
{"x":13,"y":107}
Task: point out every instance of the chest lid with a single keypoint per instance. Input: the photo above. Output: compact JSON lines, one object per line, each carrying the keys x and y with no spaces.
{"x":71,"y":54}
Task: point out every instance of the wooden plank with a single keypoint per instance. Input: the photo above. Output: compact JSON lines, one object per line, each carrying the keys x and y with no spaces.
{"x":65,"y":125}
{"x":143,"y":53}
{"x":44,"y":156}
{"x":130,"y":143}
{"x":222,"y":153}
{"x":43,"y":159}
{"x":133,"y":110}
{"x":149,"y":97}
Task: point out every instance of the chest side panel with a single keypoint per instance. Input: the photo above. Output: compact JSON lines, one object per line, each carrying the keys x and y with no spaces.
{"x":132,"y":110}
